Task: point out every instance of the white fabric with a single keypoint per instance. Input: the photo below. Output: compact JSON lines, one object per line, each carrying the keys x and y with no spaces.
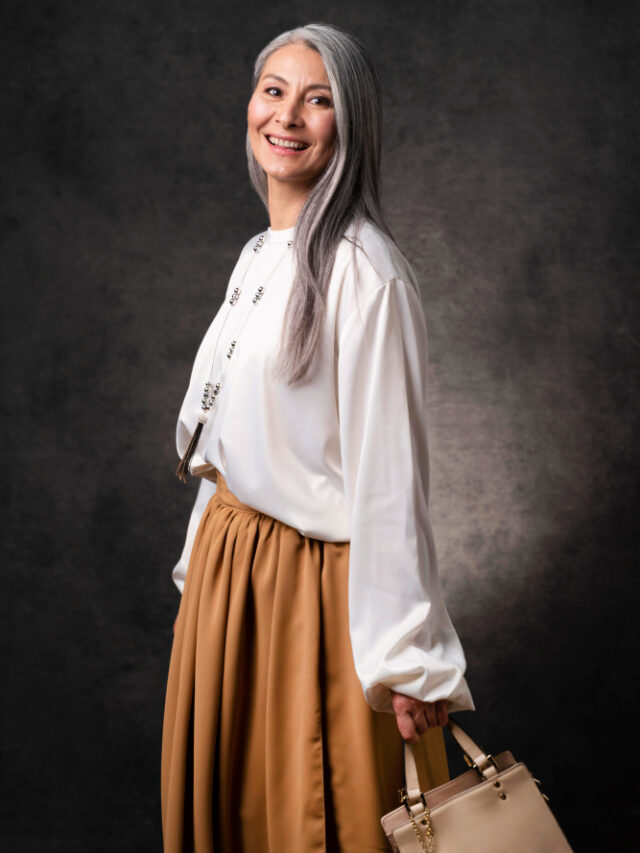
{"x":342,"y":456}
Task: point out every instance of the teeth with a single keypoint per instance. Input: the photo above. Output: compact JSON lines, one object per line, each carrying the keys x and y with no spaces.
{"x":286,"y":143}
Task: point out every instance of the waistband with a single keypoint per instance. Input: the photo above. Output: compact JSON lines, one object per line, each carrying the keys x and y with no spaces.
{"x":227,"y":497}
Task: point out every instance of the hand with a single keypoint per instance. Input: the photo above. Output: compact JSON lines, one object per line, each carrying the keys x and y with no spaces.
{"x":414,"y":716}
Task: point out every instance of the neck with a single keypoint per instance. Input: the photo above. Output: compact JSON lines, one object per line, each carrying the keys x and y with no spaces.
{"x":285,"y":203}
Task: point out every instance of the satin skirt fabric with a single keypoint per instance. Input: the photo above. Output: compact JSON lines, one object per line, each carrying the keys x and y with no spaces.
{"x":268,"y":743}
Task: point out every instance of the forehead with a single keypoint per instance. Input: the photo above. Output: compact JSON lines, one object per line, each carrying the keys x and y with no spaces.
{"x":295,"y":62}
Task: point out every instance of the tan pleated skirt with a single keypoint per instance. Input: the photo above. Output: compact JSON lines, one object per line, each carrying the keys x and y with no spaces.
{"x":268,"y":744}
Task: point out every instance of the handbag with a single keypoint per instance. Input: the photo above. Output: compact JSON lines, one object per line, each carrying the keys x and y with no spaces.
{"x":496,"y":807}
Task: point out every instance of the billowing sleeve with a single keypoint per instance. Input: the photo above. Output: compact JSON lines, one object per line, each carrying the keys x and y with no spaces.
{"x":401,"y":633}
{"x":206,"y":490}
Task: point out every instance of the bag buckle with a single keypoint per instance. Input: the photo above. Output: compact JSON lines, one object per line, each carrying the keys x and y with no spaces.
{"x":404,"y":799}
{"x":473,"y":764}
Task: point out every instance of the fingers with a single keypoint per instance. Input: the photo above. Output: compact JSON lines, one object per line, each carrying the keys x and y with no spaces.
{"x":407,"y":726}
{"x":414,"y":717}
{"x":430,"y":710}
{"x":442,"y":712}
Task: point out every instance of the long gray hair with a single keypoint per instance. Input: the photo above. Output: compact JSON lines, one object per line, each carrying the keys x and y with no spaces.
{"x":348,"y":188}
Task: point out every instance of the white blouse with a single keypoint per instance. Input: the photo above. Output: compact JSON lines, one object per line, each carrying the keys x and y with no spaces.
{"x":341,"y":456}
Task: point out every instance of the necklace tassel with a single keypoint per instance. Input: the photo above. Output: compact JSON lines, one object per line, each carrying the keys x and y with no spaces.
{"x":209,"y":396}
{"x":183,"y":467}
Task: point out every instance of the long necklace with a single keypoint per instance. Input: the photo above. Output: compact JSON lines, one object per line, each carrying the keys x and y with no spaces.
{"x":212,"y":389}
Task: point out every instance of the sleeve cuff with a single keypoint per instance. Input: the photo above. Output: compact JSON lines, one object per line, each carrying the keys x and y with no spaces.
{"x":378,"y":695}
{"x":179,"y":575}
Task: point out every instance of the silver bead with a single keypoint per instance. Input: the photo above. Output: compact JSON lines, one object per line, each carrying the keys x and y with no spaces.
{"x":209,"y":398}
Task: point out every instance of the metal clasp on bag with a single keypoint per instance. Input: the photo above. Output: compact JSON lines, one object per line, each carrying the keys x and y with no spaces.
{"x":473,"y":764}
{"x":404,"y":799}
{"x":538,"y":783}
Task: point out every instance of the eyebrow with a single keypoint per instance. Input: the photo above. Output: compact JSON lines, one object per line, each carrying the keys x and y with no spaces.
{"x":310,"y":86}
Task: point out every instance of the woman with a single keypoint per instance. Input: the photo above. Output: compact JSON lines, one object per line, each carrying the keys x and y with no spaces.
{"x":312,"y":635}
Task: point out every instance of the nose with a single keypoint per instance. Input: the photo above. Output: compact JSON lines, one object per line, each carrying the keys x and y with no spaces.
{"x":289,"y":113}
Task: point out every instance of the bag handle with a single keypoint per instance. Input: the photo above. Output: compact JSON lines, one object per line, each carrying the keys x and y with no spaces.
{"x":475,"y":757}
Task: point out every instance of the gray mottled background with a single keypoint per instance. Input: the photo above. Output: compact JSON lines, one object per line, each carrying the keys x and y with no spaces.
{"x":511,"y":182}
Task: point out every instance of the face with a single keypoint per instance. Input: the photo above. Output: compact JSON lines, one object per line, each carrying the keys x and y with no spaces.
{"x":291,"y":118}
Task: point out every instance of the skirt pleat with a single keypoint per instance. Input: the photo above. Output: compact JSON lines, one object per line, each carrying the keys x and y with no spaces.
{"x":268,"y":743}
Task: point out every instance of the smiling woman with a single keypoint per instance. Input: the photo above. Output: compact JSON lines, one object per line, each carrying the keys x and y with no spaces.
{"x":312,"y":635}
{"x":292,"y":126}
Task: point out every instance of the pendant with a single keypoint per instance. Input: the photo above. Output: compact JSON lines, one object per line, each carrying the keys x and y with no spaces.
{"x":209,"y":397}
{"x":183,"y":468}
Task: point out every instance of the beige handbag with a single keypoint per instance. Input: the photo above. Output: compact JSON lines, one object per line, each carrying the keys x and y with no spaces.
{"x":496,"y":807}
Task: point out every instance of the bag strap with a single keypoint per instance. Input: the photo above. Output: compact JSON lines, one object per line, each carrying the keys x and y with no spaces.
{"x":475,"y":757}
{"x":412,"y":783}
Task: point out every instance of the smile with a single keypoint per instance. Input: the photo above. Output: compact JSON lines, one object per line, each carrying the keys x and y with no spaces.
{"x":287,"y":143}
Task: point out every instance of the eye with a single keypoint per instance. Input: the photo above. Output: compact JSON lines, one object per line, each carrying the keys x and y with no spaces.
{"x":272,"y":90}
{"x":321,"y":99}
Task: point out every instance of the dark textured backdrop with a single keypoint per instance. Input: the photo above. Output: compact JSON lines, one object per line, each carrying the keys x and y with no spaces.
{"x":510,"y":177}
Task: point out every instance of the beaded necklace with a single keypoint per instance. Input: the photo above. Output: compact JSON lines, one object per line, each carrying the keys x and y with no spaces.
{"x":212,"y":389}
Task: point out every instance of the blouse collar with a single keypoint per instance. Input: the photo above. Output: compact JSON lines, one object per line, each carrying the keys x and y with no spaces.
{"x":280,"y":236}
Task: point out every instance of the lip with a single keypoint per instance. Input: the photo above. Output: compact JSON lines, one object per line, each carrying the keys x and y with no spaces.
{"x":285,"y":152}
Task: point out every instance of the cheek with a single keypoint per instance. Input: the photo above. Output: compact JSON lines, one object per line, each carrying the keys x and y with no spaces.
{"x":256,"y":115}
{"x":328,"y":131}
